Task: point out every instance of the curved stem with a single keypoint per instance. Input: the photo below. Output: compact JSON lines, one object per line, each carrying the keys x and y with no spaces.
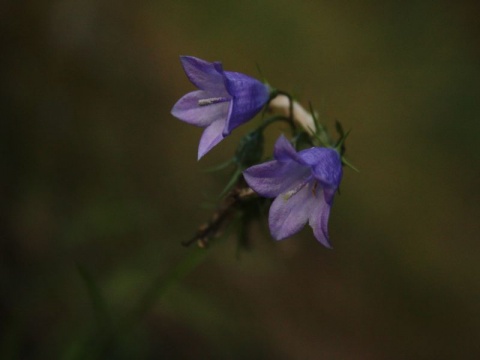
{"x":276,"y":118}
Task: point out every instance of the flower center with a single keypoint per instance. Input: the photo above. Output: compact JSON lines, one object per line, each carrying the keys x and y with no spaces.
{"x":314,"y":188}
{"x":299,"y":187}
{"x":210,"y":101}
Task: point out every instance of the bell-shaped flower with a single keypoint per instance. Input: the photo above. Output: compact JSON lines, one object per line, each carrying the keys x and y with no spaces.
{"x":224,"y":101}
{"x":303,"y":184}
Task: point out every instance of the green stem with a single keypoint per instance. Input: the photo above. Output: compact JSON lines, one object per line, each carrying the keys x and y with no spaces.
{"x":274,"y":119}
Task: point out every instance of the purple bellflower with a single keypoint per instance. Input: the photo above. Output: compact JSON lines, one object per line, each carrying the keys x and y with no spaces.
{"x":224,"y":101}
{"x":303,"y":184}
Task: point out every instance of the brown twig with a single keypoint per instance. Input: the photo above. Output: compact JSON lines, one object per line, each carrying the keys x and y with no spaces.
{"x":213,"y":227}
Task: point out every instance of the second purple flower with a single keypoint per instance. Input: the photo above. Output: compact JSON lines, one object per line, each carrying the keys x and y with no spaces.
{"x":303,"y":184}
{"x":224,"y":101}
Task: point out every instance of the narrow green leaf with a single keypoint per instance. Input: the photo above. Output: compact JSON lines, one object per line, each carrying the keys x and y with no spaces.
{"x":99,"y":305}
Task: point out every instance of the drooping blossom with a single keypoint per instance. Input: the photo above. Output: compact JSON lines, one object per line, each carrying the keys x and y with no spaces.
{"x":281,"y":104}
{"x":303,"y":184}
{"x":224,"y":101}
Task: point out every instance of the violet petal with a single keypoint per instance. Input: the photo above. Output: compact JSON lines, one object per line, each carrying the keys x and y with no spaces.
{"x":188,"y":110}
{"x":284,"y":151}
{"x":211,"y":136}
{"x":202,"y":74}
{"x":326,"y":165}
{"x":288,"y":214}
{"x":319,"y":218}
{"x":249,"y":96}
{"x":272,"y":178}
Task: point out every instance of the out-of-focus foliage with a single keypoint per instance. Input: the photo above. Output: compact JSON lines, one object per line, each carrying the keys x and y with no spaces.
{"x":96,"y":174}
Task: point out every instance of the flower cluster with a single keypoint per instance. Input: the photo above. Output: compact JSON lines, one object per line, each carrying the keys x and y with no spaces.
{"x":305,"y":172}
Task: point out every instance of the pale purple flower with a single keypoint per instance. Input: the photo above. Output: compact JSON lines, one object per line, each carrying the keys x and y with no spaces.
{"x":224,"y":101}
{"x":303,"y":184}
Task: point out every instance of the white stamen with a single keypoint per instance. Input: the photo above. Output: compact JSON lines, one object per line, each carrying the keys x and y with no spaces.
{"x":210,"y":101}
{"x":292,"y":192}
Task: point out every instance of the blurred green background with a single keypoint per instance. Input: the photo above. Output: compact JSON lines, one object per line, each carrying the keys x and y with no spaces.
{"x":97,"y":174}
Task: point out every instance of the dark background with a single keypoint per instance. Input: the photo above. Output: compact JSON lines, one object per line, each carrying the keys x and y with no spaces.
{"x":97,"y":174}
